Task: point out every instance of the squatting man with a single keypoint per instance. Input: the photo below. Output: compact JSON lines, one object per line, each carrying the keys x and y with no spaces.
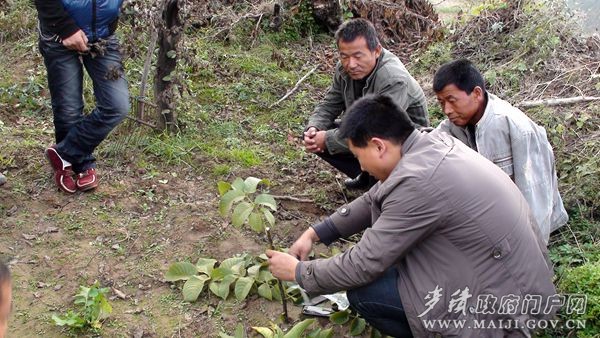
{"x":442,"y":223}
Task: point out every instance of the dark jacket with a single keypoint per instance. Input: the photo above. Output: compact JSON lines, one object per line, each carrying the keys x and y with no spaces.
{"x":389,"y":77}
{"x":449,"y":219}
{"x":96,"y":18}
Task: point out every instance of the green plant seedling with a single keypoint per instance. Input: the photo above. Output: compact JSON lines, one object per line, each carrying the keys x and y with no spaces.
{"x":93,"y":309}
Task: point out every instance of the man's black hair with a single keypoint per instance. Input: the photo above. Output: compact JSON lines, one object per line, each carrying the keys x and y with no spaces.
{"x":4,"y":276}
{"x":461,"y":73}
{"x":375,"y":116}
{"x":353,"y":28}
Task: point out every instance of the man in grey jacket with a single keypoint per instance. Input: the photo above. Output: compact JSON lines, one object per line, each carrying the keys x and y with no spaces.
{"x":504,"y":135}
{"x":364,"y":68}
{"x":449,"y":247}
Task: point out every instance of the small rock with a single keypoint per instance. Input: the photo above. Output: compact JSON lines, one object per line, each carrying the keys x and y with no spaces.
{"x":57,"y":287}
{"x":116,"y":247}
{"x":11,"y":211}
{"x":28,"y":237}
{"x":51,"y":229}
{"x":42,"y":285}
{"x":37,"y":294}
{"x":134,"y":311}
{"x":138,"y":333}
{"x":119,"y":293}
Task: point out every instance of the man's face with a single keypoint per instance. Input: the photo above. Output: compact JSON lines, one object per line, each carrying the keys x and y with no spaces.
{"x":358,"y":61}
{"x":5,"y":307}
{"x":369,"y":159}
{"x":460,"y":107}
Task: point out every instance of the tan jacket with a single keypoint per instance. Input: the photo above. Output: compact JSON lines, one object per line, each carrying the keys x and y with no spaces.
{"x":446,"y":218}
{"x":390,"y":77}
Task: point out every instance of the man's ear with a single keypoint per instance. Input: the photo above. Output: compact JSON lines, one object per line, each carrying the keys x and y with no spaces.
{"x":478,"y":94}
{"x":379,"y":145}
{"x":378,"y":50}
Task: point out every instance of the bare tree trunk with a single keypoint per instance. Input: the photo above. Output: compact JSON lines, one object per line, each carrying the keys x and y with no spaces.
{"x":168,"y":37}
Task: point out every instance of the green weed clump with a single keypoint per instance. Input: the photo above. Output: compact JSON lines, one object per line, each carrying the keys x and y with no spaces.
{"x":584,"y":280}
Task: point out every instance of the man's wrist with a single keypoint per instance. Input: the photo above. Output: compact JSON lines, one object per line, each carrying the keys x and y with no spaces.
{"x":311,"y":234}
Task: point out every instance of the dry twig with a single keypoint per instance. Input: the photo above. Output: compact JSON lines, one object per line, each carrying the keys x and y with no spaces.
{"x":291,"y":91}
{"x":558,"y":102}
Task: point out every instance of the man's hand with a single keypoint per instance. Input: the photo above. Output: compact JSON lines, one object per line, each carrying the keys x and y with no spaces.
{"x":314,"y":140}
{"x":303,"y":245}
{"x":282,"y":265}
{"x":77,"y":42}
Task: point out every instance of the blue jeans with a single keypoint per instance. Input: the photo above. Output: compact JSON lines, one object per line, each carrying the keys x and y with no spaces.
{"x":379,"y":304}
{"x":77,"y":135}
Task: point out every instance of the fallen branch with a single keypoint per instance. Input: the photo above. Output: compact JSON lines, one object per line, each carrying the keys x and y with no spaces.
{"x":291,"y":91}
{"x":558,"y":102}
{"x":293,"y":199}
{"x":148,"y":124}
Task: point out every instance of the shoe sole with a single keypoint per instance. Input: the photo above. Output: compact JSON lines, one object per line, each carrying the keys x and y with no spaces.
{"x":61,"y":185}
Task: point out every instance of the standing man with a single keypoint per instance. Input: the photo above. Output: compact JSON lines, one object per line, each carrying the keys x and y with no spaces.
{"x":504,"y":135}
{"x":364,"y":68}
{"x":73,"y":35}
{"x":448,"y":239}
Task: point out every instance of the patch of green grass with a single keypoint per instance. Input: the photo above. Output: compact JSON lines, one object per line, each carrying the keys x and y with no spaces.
{"x":221,"y":170}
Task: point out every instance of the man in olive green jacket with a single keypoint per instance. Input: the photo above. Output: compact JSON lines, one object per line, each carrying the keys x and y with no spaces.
{"x":364,"y":68}
{"x":450,"y":247}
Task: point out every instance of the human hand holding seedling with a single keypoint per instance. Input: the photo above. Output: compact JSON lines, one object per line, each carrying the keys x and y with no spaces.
{"x":282,"y":265}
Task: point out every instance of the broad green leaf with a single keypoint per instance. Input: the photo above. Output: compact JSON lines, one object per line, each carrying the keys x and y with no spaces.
{"x":205,"y":265}
{"x":241,"y":213}
{"x":264,"y":331}
{"x":256,"y":223}
{"x":264,"y":290}
{"x":180,"y":271}
{"x":375,"y":333}
{"x":221,"y":289}
{"x":220,"y":273}
{"x":250,"y":184}
{"x":269,"y":216}
{"x":266,"y":200}
{"x":276,"y":293}
{"x":238,"y":184}
{"x":253,"y":271}
{"x":265,"y":276}
{"x":223,"y":187}
{"x":229,"y":263}
{"x":242,"y":287}
{"x":326,"y":333}
{"x":105,"y":309}
{"x":239,"y":331}
{"x":71,"y":319}
{"x":357,"y":326}
{"x":227,"y":201}
{"x":193,"y":287}
{"x":171,"y":54}
{"x":340,"y":317}
{"x":298,"y":329}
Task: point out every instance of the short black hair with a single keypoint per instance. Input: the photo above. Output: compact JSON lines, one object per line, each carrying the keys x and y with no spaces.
{"x":353,"y":28}
{"x":375,"y":116}
{"x":461,"y":73}
{"x":4,"y":276}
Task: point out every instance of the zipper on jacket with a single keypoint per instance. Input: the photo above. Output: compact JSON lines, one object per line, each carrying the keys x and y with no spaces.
{"x":94,"y":35}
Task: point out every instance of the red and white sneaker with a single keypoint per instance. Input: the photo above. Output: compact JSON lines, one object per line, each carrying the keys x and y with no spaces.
{"x":87,"y":180}
{"x":63,"y":173}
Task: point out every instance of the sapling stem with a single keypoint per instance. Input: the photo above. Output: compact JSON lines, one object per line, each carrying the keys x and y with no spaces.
{"x":281,"y":289}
